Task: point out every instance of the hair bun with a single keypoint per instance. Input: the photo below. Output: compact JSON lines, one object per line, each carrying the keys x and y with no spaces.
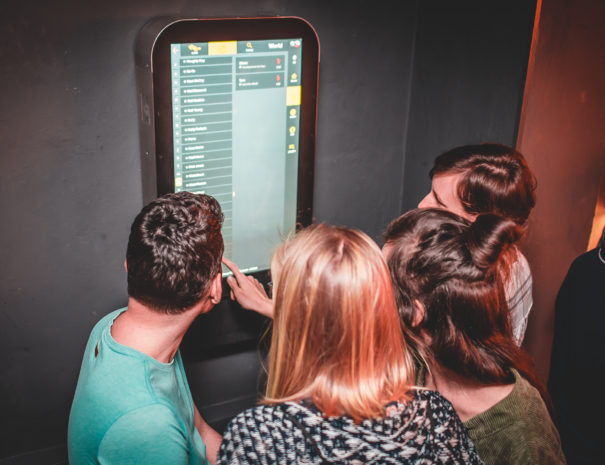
{"x":489,"y":236}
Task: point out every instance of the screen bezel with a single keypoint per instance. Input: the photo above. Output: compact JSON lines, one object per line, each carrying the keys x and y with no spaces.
{"x":210,"y":30}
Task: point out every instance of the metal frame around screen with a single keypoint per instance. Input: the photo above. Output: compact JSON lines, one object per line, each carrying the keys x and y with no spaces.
{"x":210,"y":30}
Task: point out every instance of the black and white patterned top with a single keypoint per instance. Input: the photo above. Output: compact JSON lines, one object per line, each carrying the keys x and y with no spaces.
{"x":425,"y":430}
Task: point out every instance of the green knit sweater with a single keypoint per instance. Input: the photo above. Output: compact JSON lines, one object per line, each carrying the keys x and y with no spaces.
{"x":517,"y":430}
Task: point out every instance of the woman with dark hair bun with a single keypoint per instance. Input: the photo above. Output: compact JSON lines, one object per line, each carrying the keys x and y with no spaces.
{"x":450,"y":295}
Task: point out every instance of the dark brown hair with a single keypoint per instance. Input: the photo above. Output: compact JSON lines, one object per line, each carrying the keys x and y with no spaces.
{"x":174,"y":251}
{"x":495,"y":179}
{"x":452,"y":267}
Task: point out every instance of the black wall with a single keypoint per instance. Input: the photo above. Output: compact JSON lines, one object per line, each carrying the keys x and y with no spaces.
{"x":469,"y":71}
{"x":397,"y":86}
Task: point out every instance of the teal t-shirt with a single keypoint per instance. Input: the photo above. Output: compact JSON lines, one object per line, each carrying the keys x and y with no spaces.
{"x":131,"y":409}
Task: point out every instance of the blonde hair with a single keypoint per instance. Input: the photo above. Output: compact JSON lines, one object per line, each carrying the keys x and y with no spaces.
{"x":336,"y":337}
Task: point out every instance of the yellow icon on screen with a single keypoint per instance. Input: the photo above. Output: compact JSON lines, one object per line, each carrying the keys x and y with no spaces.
{"x":293,"y":112}
{"x":178,"y":182}
{"x":248,"y":44}
{"x":194,"y":48}
{"x":291,"y":147}
{"x":292,"y":130}
{"x":294,"y":76}
{"x":293,"y":95}
{"x":228,"y":47}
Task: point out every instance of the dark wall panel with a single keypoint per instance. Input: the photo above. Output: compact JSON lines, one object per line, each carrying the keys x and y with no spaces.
{"x":364,"y":98}
{"x":469,"y":69}
{"x":562,"y":133}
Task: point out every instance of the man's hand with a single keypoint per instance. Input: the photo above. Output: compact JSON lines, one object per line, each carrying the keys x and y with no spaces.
{"x":248,"y":291}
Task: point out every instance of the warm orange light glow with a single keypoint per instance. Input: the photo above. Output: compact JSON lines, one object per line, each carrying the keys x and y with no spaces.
{"x":598,"y":222}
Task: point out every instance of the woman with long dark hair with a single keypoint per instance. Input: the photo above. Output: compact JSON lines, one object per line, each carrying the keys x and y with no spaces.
{"x":450,"y":294}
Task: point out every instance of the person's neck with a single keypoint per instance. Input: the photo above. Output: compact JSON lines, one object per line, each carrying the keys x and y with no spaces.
{"x":158,"y":335}
{"x":469,"y":397}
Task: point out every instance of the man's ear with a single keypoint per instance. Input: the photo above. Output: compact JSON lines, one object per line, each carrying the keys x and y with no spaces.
{"x":126,"y":265}
{"x":419,"y":312}
{"x":216,"y":289}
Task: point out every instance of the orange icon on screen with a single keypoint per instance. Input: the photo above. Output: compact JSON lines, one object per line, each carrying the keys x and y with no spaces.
{"x":278,"y":78}
{"x":194,"y":48}
{"x":278,"y":60}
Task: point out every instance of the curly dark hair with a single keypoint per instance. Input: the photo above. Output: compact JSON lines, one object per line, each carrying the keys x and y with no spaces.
{"x":452,"y":267}
{"x":495,"y":179}
{"x":174,"y":251}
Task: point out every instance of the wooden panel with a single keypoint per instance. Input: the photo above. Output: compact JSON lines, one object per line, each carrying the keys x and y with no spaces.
{"x":561,"y":134}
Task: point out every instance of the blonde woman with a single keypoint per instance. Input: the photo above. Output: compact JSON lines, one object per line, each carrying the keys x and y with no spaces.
{"x":339,"y":382}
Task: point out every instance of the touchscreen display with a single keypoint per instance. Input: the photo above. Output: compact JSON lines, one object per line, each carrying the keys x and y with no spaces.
{"x":236,"y":119}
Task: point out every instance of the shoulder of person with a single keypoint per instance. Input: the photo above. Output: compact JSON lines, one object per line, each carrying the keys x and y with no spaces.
{"x":269,"y":414}
{"x":148,"y":434}
{"x":535,"y":450}
{"x":534,"y":423}
{"x":593,"y":259}
{"x":520,"y":265}
{"x":434,"y":401}
{"x":104,"y":322}
{"x":153,"y":418}
{"x":265,"y":424}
